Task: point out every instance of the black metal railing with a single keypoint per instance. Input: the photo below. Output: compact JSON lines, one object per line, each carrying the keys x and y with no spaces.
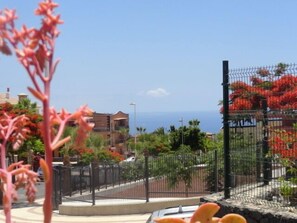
{"x":140,"y":179}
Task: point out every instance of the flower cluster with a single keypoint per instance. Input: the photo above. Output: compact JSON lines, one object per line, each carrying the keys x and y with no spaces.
{"x":87,"y":155}
{"x":284,"y":143}
{"x":109,"y":156}
{"x":117,"y":157}
{"x":280,"y":92}
{"x":32,"y":121}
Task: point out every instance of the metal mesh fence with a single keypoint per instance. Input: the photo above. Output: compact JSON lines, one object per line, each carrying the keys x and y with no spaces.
{"x":262,"y":114}
{"x":184,"y":175}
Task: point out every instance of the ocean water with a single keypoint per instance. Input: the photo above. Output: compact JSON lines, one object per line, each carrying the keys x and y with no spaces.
{"x":210,"y":121}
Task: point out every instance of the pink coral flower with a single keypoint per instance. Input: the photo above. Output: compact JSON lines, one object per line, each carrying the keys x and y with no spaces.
{"x":45,"y":7}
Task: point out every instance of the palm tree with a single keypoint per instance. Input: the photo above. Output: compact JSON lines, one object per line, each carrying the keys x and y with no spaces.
{"x":141,"y":130}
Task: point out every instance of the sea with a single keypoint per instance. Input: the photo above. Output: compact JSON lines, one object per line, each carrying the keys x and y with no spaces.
{"x":210,"y":121}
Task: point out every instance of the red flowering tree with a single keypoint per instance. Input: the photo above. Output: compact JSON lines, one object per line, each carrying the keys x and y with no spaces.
{"x":89,"y":155}
{"x":284,"y":143}
{"x":114,"y":156}
{"x":277,"y":88}
{"x":34,"y":138}
{"x":86,"y":155}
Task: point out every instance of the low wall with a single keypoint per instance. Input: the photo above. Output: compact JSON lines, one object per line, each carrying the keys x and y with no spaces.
{"x":122,"y":207}
{"x":252,"y":212}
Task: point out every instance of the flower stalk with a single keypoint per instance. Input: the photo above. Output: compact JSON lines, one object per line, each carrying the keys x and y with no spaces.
{"x":35,"y":49}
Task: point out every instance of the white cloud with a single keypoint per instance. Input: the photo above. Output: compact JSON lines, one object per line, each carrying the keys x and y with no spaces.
{"x":159,"y":92}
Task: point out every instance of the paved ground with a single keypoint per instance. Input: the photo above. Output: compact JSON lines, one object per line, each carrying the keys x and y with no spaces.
{"x":34,"y":214}
{"x":22,"y":213}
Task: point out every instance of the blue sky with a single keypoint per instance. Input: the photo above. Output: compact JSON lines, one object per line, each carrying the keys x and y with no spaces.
{"x":164,"y":55}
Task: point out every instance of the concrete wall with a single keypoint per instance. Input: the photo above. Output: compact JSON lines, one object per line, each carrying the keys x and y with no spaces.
{"x":122,"y":207}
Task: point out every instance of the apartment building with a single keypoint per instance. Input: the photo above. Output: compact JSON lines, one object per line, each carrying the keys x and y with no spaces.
{"x":113,"y":127}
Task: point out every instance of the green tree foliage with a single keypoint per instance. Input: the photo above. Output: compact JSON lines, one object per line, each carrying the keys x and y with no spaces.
{"x":154,"y":143}
{"x":141,"y":130}
{"x":26,"y":105}
{"x":214,"y":142}
{"x":160,"y":131}
{"x":132,"y":171}
{"x":215,"y":170}
{"x":90,"y":151}
{"x":188,"y":135}
{"x":124,"y":134}
{"x":95,"y":141}
{"x":244,"y":152}
{"x":31,"y":146}
{"x":68,"y":148}
{"x":177,"y":167}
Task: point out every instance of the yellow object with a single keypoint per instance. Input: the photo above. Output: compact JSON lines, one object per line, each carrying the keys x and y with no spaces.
{"x":215,"y":220}
{"x":169,"y":220}
{"x":205,"y":213}
{"x":233,"y":218}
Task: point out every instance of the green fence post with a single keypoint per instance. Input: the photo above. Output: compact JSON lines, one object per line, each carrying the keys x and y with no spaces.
{"x":93,"y":183}
{"x":146,"y":175}
{"x":266,"y":164}
{"x":227,"y":166}
{"x":216,"y":171}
